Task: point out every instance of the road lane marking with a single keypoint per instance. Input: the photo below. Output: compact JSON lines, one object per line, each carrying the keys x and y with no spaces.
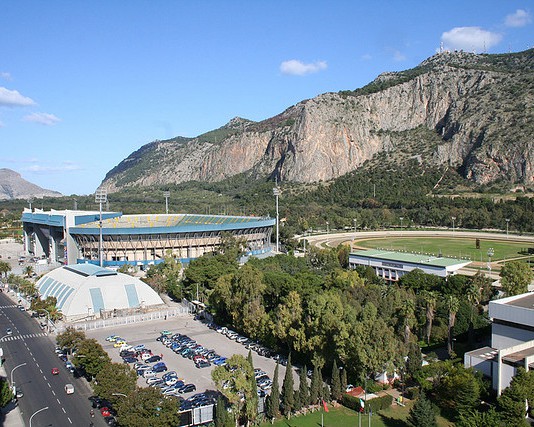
{"x":63,"y":409}
{"x":41,"y":371}
{"x":68,"y":418}
{"x":58,"y":401}
{"x":53,"y":392}
{"x":49,"y":386}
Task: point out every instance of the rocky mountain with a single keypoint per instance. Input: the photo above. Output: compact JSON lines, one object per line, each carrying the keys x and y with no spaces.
{"x":13,"y":186}
{"x":474,"y":113}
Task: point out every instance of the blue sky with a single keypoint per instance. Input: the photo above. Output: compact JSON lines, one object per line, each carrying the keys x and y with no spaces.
{"x":85,"y":83}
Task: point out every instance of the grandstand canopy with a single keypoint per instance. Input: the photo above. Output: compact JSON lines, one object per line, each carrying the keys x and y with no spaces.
{"x":85,"y":290}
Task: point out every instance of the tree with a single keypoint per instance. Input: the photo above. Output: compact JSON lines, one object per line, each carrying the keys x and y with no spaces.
{"x":316,"y":385}
{"x":222,"y":417}
{"x":414,"y":360}
{"x":28,"y":270}
{"x":458,"y":389}
{"x":273,"y":400}
{"x":303,"y":391}
{"x":453,"y":304}
{"x":344,"y":381}
{"x":512,"y":402}
{"x":474,"y":418}
{"x":115,"y":378}
{"x":91,"y":356}
{"x":234,"y":382}
{"x":336,"y":382}
{"x":146,"y":407}
{"x":288,"y":393}
{"x":5,"y":268}
{"x":6,"y":394}
{"x":70,"y":338}
{"x":422,"y":413}
{"x":430,"y":300}
{"x":251,"y":401}
{"x":515,"y":277}
{"x":473,"y":295}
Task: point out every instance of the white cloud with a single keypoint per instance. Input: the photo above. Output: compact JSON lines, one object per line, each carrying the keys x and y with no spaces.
{"x":399,"y":56}
{"x":367,"y":57}
{"x":469,"y":39}
{"x":42,"y":118}
{"x":6,"y":76}
{"x":12,"y":98}
{"x":63,"y":167}
{"x":299,"y":68}
{"x":519,"y":18}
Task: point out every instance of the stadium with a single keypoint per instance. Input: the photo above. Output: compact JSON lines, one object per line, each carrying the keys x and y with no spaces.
{"x":76,"y":237}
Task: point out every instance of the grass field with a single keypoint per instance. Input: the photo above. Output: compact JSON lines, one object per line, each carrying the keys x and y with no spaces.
{"x":454,"y":248}
{"x":395,"y":416}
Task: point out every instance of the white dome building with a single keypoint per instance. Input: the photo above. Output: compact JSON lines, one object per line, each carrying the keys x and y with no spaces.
{"x":86,"y":291}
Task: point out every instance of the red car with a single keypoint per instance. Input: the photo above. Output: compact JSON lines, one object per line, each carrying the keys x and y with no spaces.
{"x":55,"y":371}
{"x":105,"y":411}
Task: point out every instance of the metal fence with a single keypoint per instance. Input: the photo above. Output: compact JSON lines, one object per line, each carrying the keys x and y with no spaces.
{"x":135,"y":318}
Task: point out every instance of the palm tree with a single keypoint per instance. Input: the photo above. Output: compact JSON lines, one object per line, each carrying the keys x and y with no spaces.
{"x":4,"y":268}
{"x":430,"y":300}
{"x":28,"y":270}
{"x":453,"y":305}
{"x":408,"y":317}
{"x":473,"y":297}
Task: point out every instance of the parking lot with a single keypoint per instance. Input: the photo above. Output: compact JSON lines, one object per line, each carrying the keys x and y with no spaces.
{"x":147,"y":332}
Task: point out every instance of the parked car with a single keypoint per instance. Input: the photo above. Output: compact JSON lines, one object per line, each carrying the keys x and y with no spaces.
{"x":105,"y":411}
{"x":69,"y":389}
{"x":188,"y":388}
{"x":159,"y":367}
{"x":202,"y":364}
{"x":153,"y":359}
{"x":112,"y":338}
{"x":130,"y":359}
{"x":149,"y":373}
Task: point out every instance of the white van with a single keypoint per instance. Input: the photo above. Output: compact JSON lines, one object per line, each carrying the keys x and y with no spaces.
{"x":69,"y":389}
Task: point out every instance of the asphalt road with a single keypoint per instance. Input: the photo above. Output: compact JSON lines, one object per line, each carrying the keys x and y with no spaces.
{"x":30,"y":345}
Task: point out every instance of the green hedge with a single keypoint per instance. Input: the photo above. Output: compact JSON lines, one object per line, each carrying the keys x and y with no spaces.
{"x":375,"y":404}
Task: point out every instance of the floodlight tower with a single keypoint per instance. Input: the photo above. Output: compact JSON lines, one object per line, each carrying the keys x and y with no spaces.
{"x":276,"y":193}
{"x":167,"y":194}
{"x":101,"y":196}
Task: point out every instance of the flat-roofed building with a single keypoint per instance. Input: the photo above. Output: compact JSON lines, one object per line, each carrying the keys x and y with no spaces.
{"x":512,"y":341}
{"x":391,"y":265}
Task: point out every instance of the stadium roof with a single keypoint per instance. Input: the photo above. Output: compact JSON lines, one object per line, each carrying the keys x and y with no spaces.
{"x":83,"y":290}
{"x":422,"y":259}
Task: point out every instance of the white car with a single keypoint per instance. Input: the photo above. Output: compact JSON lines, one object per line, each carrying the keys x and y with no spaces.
{"x":153,"y":380}
{"x":149,"y":373}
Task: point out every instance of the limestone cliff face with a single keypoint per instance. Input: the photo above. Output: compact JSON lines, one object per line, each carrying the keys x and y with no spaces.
{"x":478,"y":110}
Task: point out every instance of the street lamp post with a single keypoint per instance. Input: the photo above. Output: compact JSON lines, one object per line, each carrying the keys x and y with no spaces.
{"x":276,"y":193}
{"x":327,"y":227}
{"x":36,"y":412}
{"x":507,"y":222}
{"x":47,"y":320}
{"x":453,"y":219}
{"x":11,"y":376}
{"x":355,"y":223}
{"x":401,"y":218}
{"x":101,"y":196}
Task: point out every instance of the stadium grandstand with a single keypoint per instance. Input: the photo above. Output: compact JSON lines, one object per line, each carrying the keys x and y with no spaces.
{"x":75,"y":237}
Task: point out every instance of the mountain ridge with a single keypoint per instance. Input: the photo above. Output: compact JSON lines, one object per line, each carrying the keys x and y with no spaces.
{"x":478,"y":110}
{"x":13,"y":186}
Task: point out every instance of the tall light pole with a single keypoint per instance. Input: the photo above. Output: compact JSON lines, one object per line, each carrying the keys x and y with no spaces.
{"x":507,"y":222}
{"x":491,"y":252}
{"x":101,"y":196}
{"x":453,"y":219}
{"x":355,"y":223}
{"x":276,"y":192}
{"x":47,"y":320}
{"x":36,"y":412}
{"x":327,"y":227}
{"x":167,"y":194}
{"x":401,"y":218}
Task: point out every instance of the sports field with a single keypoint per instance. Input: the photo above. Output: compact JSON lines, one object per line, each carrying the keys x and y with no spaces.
{"x":464,"y":248}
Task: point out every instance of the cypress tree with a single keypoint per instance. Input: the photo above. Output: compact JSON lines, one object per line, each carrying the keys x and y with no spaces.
{"x":304,"y":389}
{"x":344,"y":382}
{"x":336,"y":382}
{"x":287,"y":395}
{"x":272,"y":409}
{"x":222,"y":417}
{"x":251,"y":403}
{"x":422,"y":414}
{"x":315,"y":386}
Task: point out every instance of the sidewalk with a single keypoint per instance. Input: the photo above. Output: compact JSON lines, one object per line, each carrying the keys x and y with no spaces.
{"x":10,"y":415}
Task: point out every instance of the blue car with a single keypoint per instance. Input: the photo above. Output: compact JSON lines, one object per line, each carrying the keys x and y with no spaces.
{"x":159,"y":367}
{"x":219,"y":361}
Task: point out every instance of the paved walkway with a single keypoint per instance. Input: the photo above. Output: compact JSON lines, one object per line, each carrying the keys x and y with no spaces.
{"x":10,"y":415}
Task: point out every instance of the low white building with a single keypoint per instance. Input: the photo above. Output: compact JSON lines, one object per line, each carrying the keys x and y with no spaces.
{"x":86,"y":291}
{"x":391,"y":265}
{"x":512,"y":341}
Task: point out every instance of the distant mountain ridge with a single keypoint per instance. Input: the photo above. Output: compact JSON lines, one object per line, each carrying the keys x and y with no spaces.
{"x":474,"y":113}
{"x":13,"y":186}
